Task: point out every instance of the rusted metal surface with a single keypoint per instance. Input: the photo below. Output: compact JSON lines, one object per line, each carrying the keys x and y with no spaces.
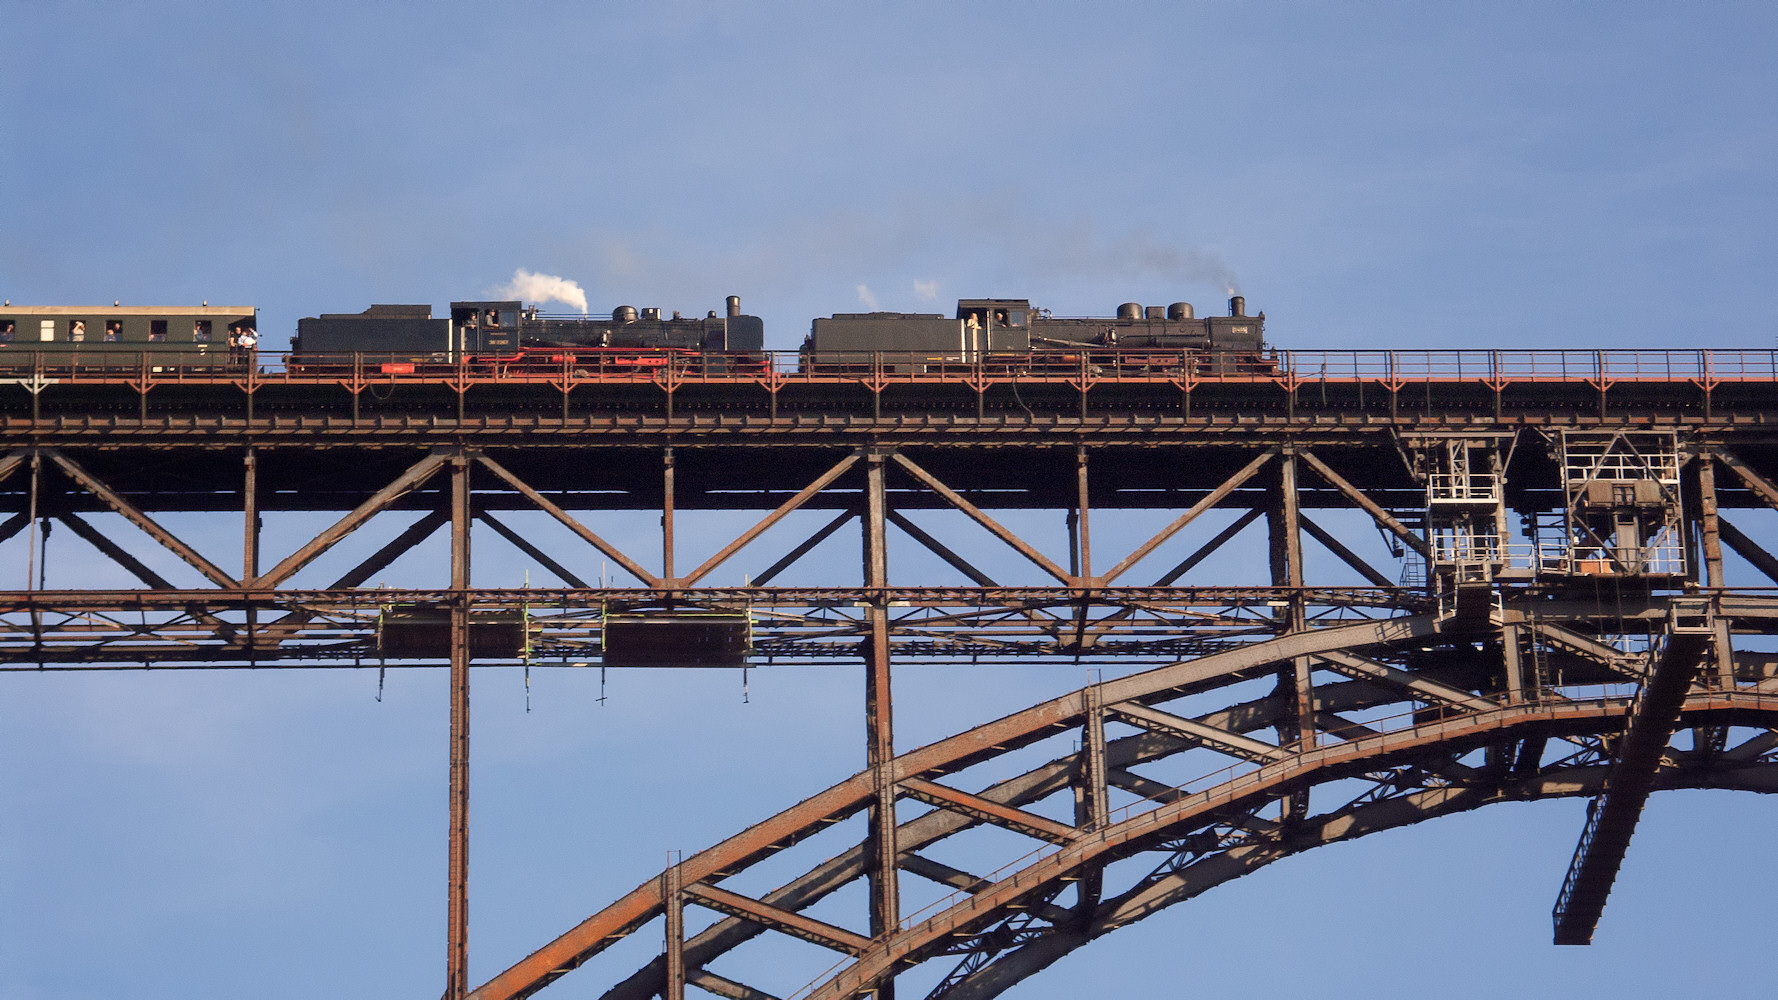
{"x":457,"y":904}
{"x":1612,"y":818}
{"x":1389,"y":684}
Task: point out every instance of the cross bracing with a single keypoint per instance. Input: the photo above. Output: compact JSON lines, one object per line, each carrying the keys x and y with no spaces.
{"x":1442,"y":656}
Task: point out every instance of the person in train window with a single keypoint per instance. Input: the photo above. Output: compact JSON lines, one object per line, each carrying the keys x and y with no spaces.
{"x":200,"y":331}
{"x":77,"y":331}
{"x":8,"y":330}
{"x":113,"y":329}
{"x":493,"y":318}
{"x":249,"y":341}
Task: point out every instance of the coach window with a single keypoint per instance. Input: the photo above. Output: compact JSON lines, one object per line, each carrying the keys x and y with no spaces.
{"x":157,"y":331}
{"x":76,"y":331}
{"x":200,"y":331}
{"x":113,"y":331}
{"x":46,"y":330}
{"x":8,"y":329}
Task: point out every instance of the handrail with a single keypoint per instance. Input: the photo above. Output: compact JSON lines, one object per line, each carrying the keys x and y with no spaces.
{"x":1495,"y":368}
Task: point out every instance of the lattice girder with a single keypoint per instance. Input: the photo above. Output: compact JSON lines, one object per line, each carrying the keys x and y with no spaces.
{"x":1444,"y":724}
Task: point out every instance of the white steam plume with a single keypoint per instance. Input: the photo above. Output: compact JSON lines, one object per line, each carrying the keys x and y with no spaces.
{"x":926,"y":291}
{"x":869,"y":300}
{"x":534,"y":288}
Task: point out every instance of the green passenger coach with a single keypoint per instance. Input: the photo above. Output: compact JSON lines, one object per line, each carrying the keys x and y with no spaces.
{"x":121,"y":336}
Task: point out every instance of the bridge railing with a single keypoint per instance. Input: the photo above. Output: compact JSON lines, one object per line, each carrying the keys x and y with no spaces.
{"x":883,"y":368}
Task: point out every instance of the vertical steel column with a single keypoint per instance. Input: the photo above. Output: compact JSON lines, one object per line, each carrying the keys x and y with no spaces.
{"x":250,"y":516}
{"x":675,"y":946}
{"x":1289,"y":546}
{"x":1080,"y":505}
{"x":1713,"y":575}
{"x":1287,"y":538}
{"x":250,"y":533}
{"x":885,"y":886}
{"x":31,"y":537}
{"x":1297,"y":727}
{"x":667,"y":517}
{"x":1712,"y":534}
{"x":1515,"y":668}
{"x":1093,"y":805}
{"x":1503,"y":536}
{"x":457,"y":917}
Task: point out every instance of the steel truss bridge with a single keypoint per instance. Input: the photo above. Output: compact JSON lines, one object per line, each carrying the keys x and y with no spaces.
{"x":1592,"y":647}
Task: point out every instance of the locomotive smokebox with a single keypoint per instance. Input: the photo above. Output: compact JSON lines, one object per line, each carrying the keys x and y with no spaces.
{"x":1180,"y":310}
{"x":1130,"y":310}
{"x":1237,"y":306}
{"x":734,"y":306}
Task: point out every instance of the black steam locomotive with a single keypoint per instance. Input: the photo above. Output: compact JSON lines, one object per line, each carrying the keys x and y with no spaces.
{"x":505,"y":337}
{"x":1009,"y":332}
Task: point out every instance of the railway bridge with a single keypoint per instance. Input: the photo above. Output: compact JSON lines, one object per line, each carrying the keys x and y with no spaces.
{"x":1543,"y":610}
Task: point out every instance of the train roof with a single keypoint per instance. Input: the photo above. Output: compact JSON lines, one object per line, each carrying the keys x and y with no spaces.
{"x":118,"y":310}
{"x":386,"y":311}
{"x":967,"y":304}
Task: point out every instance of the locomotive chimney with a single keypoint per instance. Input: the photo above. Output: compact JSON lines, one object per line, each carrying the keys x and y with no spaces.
{"x":1237,"y":306}
{"x":734,"y":306}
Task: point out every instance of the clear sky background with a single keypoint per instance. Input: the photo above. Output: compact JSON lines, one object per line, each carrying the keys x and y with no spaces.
{"x":1371,"y":175}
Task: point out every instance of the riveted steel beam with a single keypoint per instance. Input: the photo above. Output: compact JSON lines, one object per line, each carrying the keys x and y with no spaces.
{"x":1214,"y":497}
{"x":411,"y":479}
{"x":976,"y":514}
{"x":1220,"y":740}
{"x":801,"y":497}
{"x":167,"y":539}
{"x":1017,"y":820}
{"x":794,"y":924}
{"x":524,"y":545}
{"x":568,"y":521}
{"x":1365,"y":503}
{"x":1613,"y":816}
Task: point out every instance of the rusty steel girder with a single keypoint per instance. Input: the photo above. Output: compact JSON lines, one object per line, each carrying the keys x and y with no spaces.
{"x":1413,"y":743}
{"x":1458,"y":663}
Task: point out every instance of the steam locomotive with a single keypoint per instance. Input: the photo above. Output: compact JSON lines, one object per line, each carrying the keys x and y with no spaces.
{"x":506,"y":337}
{"x":1009,"y":332}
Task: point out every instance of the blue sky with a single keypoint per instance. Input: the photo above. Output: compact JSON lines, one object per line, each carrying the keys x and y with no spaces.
{"x":1371,"y":175}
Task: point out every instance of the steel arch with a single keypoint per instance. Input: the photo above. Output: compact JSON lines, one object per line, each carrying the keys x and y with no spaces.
{"x":1009,"y":926}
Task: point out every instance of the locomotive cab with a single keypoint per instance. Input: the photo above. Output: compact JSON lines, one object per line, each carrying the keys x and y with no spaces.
{"x":996,"y":325}
{"x":487,"y":327}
